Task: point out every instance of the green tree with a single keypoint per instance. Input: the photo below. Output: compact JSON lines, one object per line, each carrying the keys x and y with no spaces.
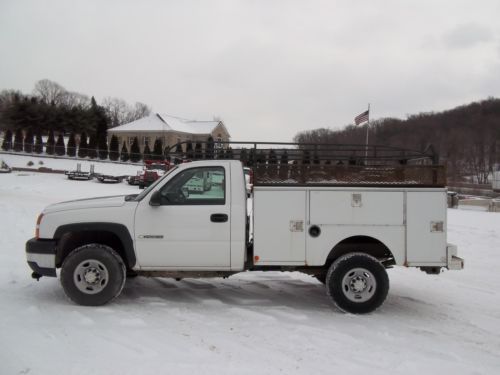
{"x":60,"y":149}
{"x":18,"y":140}
{"x":179,"y":154}
{"x":50,"y":148}
{"x":189,"y":151}
{"x":71,"y":149}
{"x":113,"y":148}
{"x":28,"y":141}
{"x":83,"y":146}
{"x":198,"y":151}
{"x":210,"y":149}
{"x":39,"y":142}
{"x":92,"y":147}
{"x":103,"y":148}
{"x":7,"y":140}
{"x":135,"y":152}
{"x":124,"y":156}
{"x":147,"y":152}
{"x":158,"y":149}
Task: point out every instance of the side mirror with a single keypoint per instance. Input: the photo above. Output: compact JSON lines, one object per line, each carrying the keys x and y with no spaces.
{"x":155,"y":199}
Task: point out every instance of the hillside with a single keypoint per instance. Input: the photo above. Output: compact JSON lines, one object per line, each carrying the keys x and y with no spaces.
{"x":467,"y":138}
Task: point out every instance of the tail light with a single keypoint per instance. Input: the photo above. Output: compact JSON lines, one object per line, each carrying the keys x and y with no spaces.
{"x":37,"y":228}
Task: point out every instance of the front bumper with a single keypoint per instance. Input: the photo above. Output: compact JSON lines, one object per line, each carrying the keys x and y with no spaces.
{"x":41,"y":257}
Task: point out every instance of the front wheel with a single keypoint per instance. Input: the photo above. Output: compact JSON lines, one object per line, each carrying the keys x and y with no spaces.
{"x":93,"y":275}
{"x":357,"y":283}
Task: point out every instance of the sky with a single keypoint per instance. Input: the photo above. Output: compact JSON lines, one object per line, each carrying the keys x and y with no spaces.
{"x":269,"y":69}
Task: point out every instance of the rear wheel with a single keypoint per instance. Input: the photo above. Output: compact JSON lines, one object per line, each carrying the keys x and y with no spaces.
{"x":93,"y":275}
{"x":357,"y":283}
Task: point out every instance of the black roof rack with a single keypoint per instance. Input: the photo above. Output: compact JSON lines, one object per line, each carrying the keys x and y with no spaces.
{"x":299,"y":164}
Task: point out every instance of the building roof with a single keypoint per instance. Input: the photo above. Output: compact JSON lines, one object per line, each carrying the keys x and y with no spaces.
{"x":162,"y":123}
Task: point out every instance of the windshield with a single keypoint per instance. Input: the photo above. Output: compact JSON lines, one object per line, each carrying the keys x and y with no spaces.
{"x":152,"y":186}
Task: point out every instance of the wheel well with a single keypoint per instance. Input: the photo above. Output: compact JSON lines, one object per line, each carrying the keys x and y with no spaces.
{"x":362,"y":244}
{"x":72,"y":240}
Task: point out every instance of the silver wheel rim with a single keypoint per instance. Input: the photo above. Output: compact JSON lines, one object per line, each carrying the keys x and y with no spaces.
{"x":359,"y":285}
{"x":91,"y":276}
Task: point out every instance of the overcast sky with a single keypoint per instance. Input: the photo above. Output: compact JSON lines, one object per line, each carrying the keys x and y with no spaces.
{"x":268,"y":69}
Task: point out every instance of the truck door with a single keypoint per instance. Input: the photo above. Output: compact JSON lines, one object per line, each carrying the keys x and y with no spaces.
{"x":190,"y":229}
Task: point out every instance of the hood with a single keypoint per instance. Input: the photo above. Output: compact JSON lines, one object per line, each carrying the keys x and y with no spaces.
{"x":99,"y":202}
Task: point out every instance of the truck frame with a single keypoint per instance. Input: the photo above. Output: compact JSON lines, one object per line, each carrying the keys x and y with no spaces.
{"x":341,"y":213}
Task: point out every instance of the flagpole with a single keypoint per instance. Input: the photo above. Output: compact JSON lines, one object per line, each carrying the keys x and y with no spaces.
{"x":367,"y":127}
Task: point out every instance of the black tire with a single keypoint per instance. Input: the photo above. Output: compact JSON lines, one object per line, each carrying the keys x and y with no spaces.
{"x":141,"y":186}
{"x":357,"y":283}
{"x":104,"y":271}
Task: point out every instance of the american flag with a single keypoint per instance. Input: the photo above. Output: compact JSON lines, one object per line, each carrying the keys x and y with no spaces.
{"x":362,"y":117}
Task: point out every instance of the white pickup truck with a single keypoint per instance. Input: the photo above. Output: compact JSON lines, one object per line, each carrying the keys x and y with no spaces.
{"x":346,"y":235}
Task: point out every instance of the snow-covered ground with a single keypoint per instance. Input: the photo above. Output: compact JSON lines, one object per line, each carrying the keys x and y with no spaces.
{"x":252,"y":323}
{"x":68,"y":164}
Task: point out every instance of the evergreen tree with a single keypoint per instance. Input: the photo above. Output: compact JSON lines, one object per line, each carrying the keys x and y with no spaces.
{"x":7,"y":141}
{"x":124,"y":156}
{"x":18,"y":140}
{"x":28,"y":141}
{"x":147,"y":152}
{"x":135,"y":152}
{"x":92,"y":147}
{"x":158,"y":149}
{"x":209,"y":151}
{"x":71,"y":149}
{"x":189,"y":151}
{"x":39,"y":142}
{"x":198,"y":152}
{"x":50,"y":143}
{"x":60,"y":149}
{"x":83,"y":146}
{"x":103,"y":148}
{"x":113,"y":148}
{"x":178,"y":154}
{"x":99,"y":119}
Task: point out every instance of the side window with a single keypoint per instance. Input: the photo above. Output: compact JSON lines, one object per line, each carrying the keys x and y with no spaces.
{"x":195,"y":186}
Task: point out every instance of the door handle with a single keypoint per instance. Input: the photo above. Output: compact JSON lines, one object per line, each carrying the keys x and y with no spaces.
{"x":218,"y":218}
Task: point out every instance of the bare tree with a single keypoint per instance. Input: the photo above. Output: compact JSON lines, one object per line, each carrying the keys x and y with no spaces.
{"x":74,"y":99}
{"x":140,"y":110}
{"x":121,"y":113}
{"x":116,"y":109}
{"x":49,"y":91}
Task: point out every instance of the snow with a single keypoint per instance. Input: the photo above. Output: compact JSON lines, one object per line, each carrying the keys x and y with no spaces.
{"x":69,"y":164}
{"x":152,"y":123}
{"x":251,"y":323}
{"x":163,"y":122}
